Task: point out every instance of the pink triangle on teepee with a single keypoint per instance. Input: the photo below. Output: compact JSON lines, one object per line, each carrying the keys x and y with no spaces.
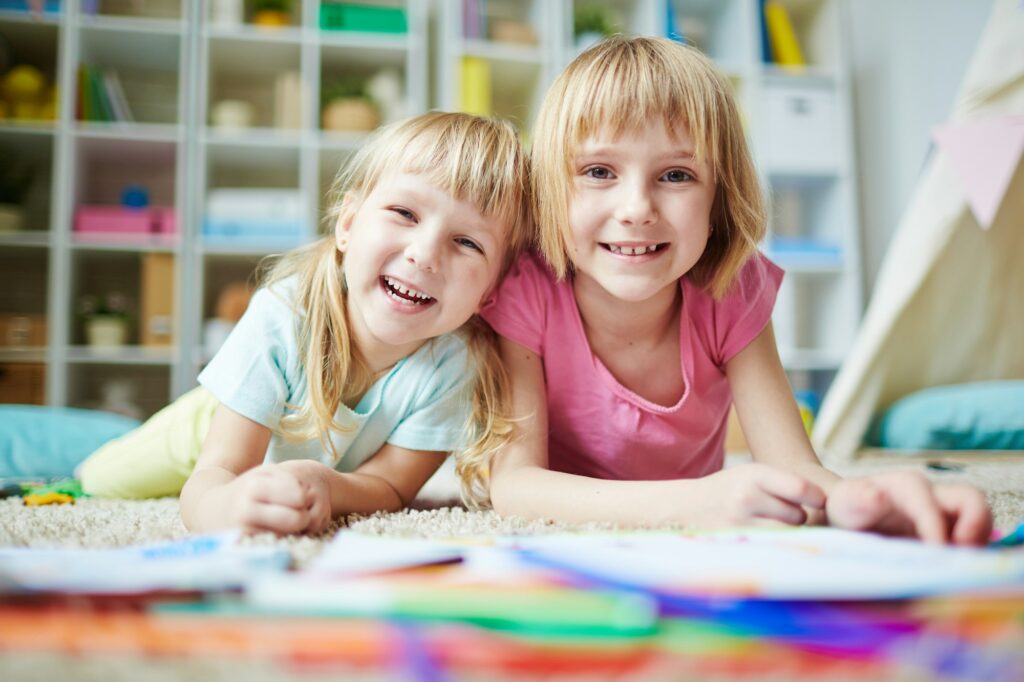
{"x":985,"y":155}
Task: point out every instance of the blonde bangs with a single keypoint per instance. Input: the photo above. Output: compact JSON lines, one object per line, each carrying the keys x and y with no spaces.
{"x":474,"y":159}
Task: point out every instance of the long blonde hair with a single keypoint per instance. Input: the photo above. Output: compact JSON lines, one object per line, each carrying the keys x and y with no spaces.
{"x":623,"y":84}
{"x":475,"y":159}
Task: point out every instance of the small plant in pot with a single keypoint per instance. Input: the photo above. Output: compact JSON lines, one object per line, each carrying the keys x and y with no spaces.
{"x":105,"y":318}
{"x":272,"y":13}
{"x":347,"y":106}
{"x":591,"y":23}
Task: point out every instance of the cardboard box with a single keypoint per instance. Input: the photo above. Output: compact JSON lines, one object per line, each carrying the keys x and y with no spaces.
{"x":156,"y":317}
{"x":23,"y":383}
{"x":22,"y":331}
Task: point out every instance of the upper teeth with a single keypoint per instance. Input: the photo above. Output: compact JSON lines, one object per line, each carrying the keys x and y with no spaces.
{"x":633,"y":250}
{"x":402,"y":289}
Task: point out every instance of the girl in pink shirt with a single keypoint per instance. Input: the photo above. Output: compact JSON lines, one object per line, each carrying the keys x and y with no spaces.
{"x":647,"y":314}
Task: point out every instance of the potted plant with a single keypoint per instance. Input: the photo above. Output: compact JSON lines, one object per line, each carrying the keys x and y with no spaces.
{"x":272,"y":13}
{"x":591,"y":23}
{"x":106,"y":319}
{"x":347,"y":106}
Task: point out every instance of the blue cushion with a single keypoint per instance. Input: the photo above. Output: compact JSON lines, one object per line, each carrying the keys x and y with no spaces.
{"x":49,"y":442}
{"x":982,"y":416}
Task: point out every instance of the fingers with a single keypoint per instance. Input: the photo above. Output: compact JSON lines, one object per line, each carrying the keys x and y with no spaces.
{"x":789,"y":487}
{"x":858,"y":504}
{"x":895,"y":503}
{"x":272,"y":498}
{"x":967,"y":511}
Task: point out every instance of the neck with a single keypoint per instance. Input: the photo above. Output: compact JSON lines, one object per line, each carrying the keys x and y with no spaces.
{"x":629,"y":322}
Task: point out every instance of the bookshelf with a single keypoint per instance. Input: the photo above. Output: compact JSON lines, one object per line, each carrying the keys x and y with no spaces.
{"x":222,"y":111}
{"x":166,"y":134}
{"x":798,"y":122}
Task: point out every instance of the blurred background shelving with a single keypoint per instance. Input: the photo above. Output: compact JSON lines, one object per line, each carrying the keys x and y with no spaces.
{"x":126,"y":246}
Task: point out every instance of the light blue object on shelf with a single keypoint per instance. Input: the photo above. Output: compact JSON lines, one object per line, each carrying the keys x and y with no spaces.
{"x":255,"y":231}
{"x":804,"y":252}
{"x":49,"y":442}
{"x":978,"y":416}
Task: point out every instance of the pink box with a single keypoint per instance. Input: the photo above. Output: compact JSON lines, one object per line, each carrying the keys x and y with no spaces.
{"x":120,"y":220}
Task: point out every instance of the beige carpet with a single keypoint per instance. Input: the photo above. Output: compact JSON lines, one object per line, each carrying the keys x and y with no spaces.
{"x":111,"y":523}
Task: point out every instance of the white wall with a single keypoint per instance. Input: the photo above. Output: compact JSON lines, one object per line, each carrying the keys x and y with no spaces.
{"x":908,"y":58}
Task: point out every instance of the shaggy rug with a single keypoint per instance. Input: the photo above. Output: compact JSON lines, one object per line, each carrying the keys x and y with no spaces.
{"x":112,"y":523}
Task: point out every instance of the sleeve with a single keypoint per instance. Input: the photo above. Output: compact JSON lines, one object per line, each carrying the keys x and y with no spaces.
{"x":437,"y":419}
{"x":256,"y":371}
{"x":518,"y":310}
{"x":747,"y":308}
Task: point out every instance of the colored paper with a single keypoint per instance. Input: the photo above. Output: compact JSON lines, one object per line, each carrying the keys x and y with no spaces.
{"x":985,"y":155}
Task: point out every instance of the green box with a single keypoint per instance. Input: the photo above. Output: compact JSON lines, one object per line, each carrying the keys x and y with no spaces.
{"x":366,"y":18}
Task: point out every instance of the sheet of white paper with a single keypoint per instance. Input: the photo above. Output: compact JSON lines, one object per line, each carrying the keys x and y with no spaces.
{"x":194,"y":563}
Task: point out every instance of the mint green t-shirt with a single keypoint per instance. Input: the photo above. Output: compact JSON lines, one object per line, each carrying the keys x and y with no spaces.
{"x":421,"y":404}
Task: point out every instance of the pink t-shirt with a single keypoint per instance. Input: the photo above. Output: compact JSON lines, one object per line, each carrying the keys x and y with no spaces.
{"x":600,"y":428}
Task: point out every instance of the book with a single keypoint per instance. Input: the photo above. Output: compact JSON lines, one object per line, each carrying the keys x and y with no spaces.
{"x":115,"y":97}
{"x":475,"y":95}
{"x":785,"y":46}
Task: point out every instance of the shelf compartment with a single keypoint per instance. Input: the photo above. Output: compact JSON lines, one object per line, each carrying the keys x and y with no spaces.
{"x":134,"y":389}
{"x":245,"y":73}
{"x":145,"y":65}
{"x":223,"y":275}
{"x":108,"y":280}
{"x":105,"y":168}
{"x":508,"y":22}
{"x":812,"y":315}
{"x":808,"y":208}
{"x":24,"y":278}
{"x":372,"y":80}
{"x":22,"y":382}
{"x":31,"y":43}
{"x":27,"y":171}
{"x":720,"y":29}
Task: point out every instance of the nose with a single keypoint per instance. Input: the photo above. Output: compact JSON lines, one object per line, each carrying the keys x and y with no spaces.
{"x":424,"y":250}
{"x":635,"y":204}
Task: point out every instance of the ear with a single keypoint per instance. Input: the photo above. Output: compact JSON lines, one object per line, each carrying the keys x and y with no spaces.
{"x":346,"y":216}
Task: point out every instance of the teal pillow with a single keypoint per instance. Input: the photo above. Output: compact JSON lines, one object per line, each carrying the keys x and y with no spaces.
{"x":982,"y":416}
{"x":49,"y":442}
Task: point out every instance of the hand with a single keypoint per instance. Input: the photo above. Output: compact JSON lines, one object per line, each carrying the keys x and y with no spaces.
{"x":905,"y":503}
{"x":756,"y":494}
{"x":291,"y":497}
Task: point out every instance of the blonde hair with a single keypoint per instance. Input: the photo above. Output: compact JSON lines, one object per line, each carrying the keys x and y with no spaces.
{"x":621,"y":85}
{"x":475,"y":159}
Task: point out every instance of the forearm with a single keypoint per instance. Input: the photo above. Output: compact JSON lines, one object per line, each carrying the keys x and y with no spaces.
{"x":362,"y":493}
{"x":203,"y":504}
{"x":535,"y":492}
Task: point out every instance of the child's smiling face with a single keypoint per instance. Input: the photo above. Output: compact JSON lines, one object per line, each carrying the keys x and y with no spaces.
{"x":640,"y":211}
{"x":418,"y":264}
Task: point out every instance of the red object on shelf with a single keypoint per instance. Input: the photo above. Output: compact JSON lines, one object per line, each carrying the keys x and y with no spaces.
{"x":120,"y":220}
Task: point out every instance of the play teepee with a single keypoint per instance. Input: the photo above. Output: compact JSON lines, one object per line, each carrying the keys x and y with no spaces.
{"x":948,"y":306}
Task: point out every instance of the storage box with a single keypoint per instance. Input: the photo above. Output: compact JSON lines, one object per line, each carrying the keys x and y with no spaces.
{"x":22,"y":330}
{"x":263,"y":216}
{"x":23,"y":383}
{"x":157,"y":310}
{"x":121,"y":220}
{"x":368,"y":18}
{"x":801,"y":129}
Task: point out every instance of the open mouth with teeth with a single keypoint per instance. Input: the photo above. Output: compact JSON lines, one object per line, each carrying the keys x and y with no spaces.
{"x":401,"y":292}
{"x":633,"y":250}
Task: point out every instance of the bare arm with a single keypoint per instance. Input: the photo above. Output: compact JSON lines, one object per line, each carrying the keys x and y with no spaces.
{"x":769,"y":415}
{"x":895,"y":503}
{"x":230,"y":488}
{"x":521,"y":483}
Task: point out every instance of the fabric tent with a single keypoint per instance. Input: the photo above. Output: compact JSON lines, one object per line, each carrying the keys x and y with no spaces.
{"x":948,"y":306}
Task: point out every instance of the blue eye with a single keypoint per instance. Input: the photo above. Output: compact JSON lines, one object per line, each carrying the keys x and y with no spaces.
{"x":469,"y":244}
{"x":677,"y":175}
{"x":598,"y":173}
{"x":404,"y":212}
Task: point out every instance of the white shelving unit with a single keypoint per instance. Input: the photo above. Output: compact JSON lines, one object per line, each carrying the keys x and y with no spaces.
{"x":174,"y":64}
{"x":798,"y":122}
